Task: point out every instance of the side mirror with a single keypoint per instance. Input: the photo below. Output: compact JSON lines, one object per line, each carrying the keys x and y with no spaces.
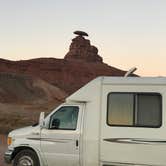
{"x":41,"y":119}
{"x":55,"y":124}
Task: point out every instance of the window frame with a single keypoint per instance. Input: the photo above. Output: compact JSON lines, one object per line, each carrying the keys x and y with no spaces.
{"x":49,"y":127}
{"x":134,"y":109}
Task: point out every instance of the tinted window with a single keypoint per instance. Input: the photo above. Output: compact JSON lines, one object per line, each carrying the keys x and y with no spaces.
{"x":149,"y":110}
{"x":120,"y":110}
{"x":134,"y":109}
{"x":65,"y":118}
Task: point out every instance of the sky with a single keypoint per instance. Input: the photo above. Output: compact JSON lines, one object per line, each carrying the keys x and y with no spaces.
{"x":127,"y":33}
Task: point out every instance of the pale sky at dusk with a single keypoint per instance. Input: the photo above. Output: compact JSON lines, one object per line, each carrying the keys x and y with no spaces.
{"x":127,"y":32}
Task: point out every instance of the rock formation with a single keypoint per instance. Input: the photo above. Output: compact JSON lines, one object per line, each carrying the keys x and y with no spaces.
{"x":82,"y":49}
{"x":80,"y":65}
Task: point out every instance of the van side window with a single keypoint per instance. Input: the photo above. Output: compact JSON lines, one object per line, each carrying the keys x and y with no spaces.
{"x":65,"y":118}
{"x":134,"y":109}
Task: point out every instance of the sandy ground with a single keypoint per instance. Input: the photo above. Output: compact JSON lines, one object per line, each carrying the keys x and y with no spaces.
{"x":3,"y":147}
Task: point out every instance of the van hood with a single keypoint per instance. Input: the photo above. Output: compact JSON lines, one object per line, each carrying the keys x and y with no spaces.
{"x":29,"y":130}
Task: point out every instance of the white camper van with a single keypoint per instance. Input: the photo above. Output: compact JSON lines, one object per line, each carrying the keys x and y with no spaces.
{"x":111,"y":121}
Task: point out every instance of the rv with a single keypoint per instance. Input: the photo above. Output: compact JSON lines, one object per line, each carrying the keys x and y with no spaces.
{"x":111,"y":121}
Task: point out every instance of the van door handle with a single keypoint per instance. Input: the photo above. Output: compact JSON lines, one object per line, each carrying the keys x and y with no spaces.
{"x":76,"y":143}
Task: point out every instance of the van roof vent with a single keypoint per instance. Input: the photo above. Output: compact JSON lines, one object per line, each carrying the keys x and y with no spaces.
{"x":131,"y":71}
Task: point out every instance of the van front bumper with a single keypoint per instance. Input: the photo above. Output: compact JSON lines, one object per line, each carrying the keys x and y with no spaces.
{"x":8,"y":156}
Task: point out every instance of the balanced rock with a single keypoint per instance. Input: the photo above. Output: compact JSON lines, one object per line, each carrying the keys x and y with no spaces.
{"x":82,"y":49}
{"x":80,"y":33}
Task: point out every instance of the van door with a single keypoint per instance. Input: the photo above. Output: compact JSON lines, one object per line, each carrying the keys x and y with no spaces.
{"x":132,"y":131}
{"x":60,"y":143}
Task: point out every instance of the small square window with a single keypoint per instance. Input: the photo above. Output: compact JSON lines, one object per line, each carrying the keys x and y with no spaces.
{"x":120,"y":109}
{"x":149,"y":110}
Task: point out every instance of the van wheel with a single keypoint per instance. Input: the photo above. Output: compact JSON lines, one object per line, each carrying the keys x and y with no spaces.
{"x":26,"y":158}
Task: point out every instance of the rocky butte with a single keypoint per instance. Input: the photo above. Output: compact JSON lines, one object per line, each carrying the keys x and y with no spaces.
{"x":82,"y":49}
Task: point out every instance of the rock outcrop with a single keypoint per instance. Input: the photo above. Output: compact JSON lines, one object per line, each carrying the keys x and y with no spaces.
{"x":82,"y":49}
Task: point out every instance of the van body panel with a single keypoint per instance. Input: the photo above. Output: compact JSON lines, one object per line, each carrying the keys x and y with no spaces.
{"x":132,"y":145}
{"x":91,"y":123}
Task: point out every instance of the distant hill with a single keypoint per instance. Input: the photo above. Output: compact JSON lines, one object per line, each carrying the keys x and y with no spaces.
{"x":67,"y":74}
{"x":22,"y":98}
{"x":30,"y":86}
{"x":21,"y":89}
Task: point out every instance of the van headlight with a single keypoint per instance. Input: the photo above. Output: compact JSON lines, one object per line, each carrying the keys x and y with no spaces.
{"x":9,"y":141}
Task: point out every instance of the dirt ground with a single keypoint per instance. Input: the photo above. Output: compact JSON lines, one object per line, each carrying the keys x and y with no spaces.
{"x":3,"y":147}
{"x":13,"y":116}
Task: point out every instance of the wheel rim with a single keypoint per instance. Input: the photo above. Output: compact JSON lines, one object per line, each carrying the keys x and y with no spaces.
{"x":25,"y":161}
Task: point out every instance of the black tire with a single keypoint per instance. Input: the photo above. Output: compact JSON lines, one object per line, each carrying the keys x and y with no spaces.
{"x":26,"y":156}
